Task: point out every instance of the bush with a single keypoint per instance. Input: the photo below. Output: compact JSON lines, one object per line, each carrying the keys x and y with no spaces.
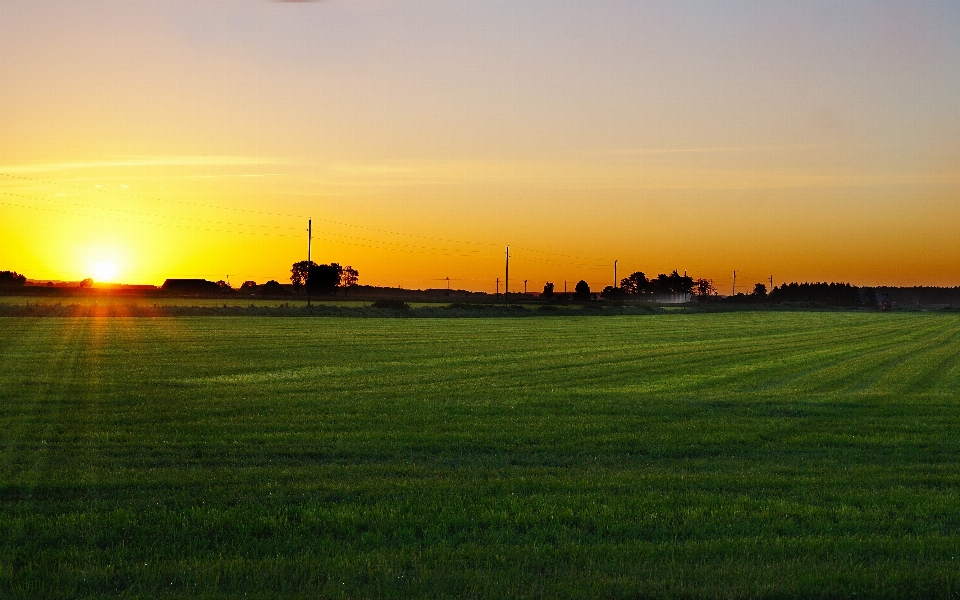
{"x":391,"y":304}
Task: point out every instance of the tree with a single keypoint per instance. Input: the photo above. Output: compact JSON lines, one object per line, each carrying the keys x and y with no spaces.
{"x":674,"y":283}
{"x":612,"y":293}
{"x":248,"y":285}
{"x":548,"y":290}
{"x":582,"y":291}
{"x":830,"y":294}
{"x":704,"y":288}
{"x":11,"y":278}
{"x":223,"y":285}
{"x":350,"y":277}
{"x":299,"y":273}
{"x":759,"y":291}
{"x":324,"y":279}
{"x":86,"y":283}
{"x":636,"y":284}
{"x":273,"y":288}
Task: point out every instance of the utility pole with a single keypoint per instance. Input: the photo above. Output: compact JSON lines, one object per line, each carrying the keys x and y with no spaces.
{"x":498,"y":287}
{"x":506,"y":282}
{"x":524,"y":287}
{"x":309,"y":257}
{"x":448,"y":283}
{"x":734,"y":284}
{"x":564,"y":287}
{"x":615,"y":283}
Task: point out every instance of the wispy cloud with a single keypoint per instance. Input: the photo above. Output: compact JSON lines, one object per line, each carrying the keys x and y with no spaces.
{"x":711,"y":150}
{"x":138,"y":161}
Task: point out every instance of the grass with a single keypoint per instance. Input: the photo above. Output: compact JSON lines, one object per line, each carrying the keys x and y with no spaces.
{"x":767,"y":454}
{"x":377,"y":309}
{"x":119,"y":300}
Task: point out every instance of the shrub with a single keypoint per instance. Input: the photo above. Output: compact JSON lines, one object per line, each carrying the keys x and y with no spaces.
{"x":391,"y":304}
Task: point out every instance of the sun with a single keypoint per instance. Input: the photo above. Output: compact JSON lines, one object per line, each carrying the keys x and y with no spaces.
{"x":104,"y":271}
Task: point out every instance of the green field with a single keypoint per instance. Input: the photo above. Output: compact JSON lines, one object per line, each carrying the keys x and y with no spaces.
{"x":121,"y":300}
{"x":680,"y":455}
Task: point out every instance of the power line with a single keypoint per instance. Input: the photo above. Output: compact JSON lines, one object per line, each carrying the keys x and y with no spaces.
{"x":262,"y":212}
{"x":420,"y":248}
{"x":211,"y":229}
{"x":449,"y":251}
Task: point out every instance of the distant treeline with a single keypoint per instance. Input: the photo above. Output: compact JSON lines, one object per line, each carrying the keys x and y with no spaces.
{"x":673,"y":287}
{"x":12,"y":278}
{"x":831,"y":294}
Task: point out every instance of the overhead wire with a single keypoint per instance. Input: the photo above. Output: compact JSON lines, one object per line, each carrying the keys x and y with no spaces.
{"x":376,"y":244}
{"x":323,"y":220}
{"x":422,"y":250}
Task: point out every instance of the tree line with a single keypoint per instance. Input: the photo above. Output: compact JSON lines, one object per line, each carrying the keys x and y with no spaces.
{"x":12,"y":278}
{"x":637,"y":286}
{"x":322,"y":279}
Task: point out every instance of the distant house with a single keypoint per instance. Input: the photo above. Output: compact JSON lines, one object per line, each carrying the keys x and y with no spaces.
{"x":190,"y":286}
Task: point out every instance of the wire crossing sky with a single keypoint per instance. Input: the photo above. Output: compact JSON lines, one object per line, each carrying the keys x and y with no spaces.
{"x":173,"y":138}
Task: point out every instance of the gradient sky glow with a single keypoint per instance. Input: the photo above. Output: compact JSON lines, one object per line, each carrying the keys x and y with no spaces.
{"x":174,"y":138}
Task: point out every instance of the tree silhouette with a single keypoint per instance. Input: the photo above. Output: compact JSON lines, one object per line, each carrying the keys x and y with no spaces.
{"x":759,"y":291}
{"x":324,"y":279}
{"x":582,"y":291}
{"x":12,"y":278}
{"x":612,"y":293}
{"x":674,"y":283}
{"x":831,"y":294}
{"x":704,"y":288}
{"x":548,"y":290}
{"x":350,"y":277}
{"x":299,"y":273}
{"x":273,"y":288}
{"x":635,"y":284}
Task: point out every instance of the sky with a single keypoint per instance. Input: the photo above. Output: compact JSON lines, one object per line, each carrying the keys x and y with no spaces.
{"x":804,"y":141}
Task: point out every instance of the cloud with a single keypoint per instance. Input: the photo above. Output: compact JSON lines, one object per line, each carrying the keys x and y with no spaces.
{"x":718,"y":149}
{"x":138,"y":161}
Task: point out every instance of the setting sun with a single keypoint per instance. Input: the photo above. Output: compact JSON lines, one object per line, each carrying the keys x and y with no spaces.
{"x":104,"y":271}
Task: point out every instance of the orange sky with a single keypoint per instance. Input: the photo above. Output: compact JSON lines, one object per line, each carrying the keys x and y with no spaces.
{"x":194,"y":139}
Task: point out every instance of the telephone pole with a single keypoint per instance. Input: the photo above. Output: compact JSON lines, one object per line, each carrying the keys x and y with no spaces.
{"x":309,"y":257}
{"x":734,"y":284}
{"x":524,"y":287}
{"x":615,"y":284}
{"x":506,"y":281}
{"x":498,"y":287}
{"x":448,"y":283}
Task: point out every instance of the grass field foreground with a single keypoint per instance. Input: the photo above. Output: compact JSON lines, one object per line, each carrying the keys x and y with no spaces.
{"x":717,"y":455}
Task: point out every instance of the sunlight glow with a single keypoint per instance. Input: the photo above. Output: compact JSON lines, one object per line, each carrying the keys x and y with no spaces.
{"x":104,"y":271}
